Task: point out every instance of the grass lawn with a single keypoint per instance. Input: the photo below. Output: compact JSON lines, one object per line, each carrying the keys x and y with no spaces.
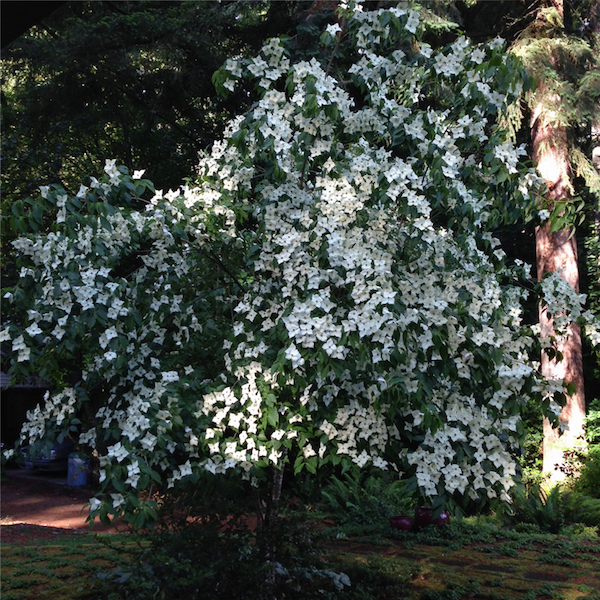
{"x":470,"y":560}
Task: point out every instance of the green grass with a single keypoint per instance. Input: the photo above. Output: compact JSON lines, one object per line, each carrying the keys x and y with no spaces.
{"x":468,"y":560}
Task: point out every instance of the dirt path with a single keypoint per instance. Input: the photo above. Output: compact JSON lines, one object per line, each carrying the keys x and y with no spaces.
{"x":40,"y":506}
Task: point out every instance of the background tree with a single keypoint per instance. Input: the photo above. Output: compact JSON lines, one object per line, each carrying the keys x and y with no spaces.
{"x":124,"y":80}
{"x":563,"y":108}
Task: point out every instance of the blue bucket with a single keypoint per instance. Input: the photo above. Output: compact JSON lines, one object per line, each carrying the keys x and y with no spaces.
{"x":77,"y":470}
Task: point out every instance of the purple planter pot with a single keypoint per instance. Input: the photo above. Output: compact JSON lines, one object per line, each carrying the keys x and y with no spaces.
{"x":423,"y":516}
{"x":442,"y":520}
{"x":402,"y":522}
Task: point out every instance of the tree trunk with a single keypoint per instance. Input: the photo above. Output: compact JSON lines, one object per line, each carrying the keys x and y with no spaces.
{"x":596,"y":163}
{"x":269,"y":533}
{"x":270,"y":526}
{"x":558,"y":251}
{"x":272,"y":509}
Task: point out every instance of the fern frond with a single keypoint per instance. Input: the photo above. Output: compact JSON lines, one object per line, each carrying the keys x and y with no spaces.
{"x":585,"y":169}
{"x":586,"y":509}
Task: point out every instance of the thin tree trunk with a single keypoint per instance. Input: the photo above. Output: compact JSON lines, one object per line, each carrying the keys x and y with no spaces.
{"x":270,"y":531}
{"x":272,"y":509}
{"x":558,"y":251}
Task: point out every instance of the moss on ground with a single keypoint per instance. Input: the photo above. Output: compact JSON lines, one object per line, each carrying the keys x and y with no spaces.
{"x":458,"y":563}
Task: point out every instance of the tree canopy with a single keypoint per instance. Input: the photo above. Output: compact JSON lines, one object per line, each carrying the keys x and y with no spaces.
{"x":126,"y":80}
{"x":328,"y":292}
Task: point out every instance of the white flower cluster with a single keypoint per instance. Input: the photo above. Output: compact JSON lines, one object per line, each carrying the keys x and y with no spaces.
{"x":352,"y":270}
{"x":562,"y":302}
{"x":54,"y":412}
{"x":331,"y":298}
{"x":375,"y":318}
{"x":592,"y":329}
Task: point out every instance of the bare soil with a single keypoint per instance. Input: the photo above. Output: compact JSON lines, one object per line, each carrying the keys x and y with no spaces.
{"x":37,"y":505}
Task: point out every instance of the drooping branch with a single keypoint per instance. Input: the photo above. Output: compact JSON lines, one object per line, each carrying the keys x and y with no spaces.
{"x":222,"y":265}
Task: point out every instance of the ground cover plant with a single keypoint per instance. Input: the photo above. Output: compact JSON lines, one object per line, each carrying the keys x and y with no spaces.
{"x":63,"y":569}
{"x":472,"y":559}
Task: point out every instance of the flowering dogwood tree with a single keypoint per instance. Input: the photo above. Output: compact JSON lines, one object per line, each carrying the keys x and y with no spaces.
{"x":329,"y":292}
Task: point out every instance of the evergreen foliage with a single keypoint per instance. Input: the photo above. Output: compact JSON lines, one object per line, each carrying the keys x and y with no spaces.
{"x":563,"y":57}
{"x":127,"y":80}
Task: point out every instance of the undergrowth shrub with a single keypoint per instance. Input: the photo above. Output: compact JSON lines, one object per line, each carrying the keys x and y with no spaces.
{"x":548,"y":510}
{"x":586,"y":509}
{"x":592,"y":422}
{"x":207,"y":545}
{"x":366,"y":499}
{"x":588,"y":482}
{"x":531,"y":459}
{"x":553,"y":510}
{"x":579,"y":500}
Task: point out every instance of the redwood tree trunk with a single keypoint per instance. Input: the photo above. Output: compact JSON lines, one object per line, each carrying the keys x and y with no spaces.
{"x":558,"y":251}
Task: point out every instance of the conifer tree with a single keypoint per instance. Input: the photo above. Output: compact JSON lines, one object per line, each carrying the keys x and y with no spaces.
{"x":565,"y":68}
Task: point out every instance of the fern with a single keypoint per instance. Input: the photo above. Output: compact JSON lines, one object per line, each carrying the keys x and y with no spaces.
{"x":585,"y":169}
{"x":585,"y":509}
{"x":374,"y":500}
{"x":546,"y":509}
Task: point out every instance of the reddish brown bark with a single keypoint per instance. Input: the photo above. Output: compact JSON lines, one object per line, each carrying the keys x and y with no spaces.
{"x":558,"y":252}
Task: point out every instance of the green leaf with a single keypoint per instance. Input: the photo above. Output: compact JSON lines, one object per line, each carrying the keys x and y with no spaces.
{"x":143,"y":481}
{"x":104,"y":518}
{"x":311,"y":464}
{"x":17,"y":208}
{"x":38,"y":214}
{"x":155,"y":476}
{"x":273,"y":416}
{"x":118,"y":484}
{"x":299,"y":464}
{"x":139,"y":520}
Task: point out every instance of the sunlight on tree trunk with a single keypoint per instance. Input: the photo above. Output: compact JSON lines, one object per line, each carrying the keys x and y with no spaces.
{"x":596,"y":163}
{"x":557,"y":251}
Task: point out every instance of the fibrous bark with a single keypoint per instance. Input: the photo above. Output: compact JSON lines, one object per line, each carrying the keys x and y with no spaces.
{"x":557,"y":251}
